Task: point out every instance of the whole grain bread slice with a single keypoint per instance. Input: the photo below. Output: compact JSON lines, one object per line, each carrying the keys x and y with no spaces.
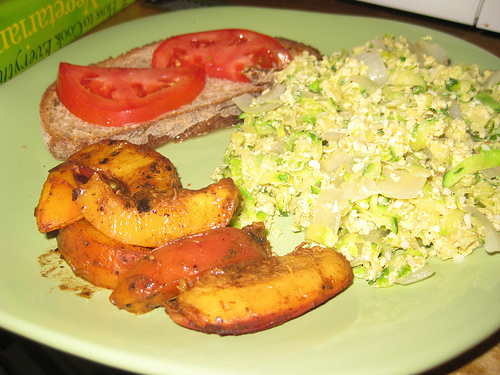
{"x":64,"y":133}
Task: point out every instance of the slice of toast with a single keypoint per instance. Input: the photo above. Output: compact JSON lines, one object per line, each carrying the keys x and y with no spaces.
{"x":64,"y":133}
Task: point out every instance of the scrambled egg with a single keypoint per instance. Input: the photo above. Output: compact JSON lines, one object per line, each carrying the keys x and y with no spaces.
{"x":389,"y":154}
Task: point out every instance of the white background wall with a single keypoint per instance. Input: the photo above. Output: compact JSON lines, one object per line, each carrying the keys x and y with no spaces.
{"x":484,"y":14}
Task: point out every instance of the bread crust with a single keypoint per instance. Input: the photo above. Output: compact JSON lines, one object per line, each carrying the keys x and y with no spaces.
{"x":64,"y":133}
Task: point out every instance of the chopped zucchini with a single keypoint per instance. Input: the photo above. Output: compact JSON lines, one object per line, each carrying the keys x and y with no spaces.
{"x":483,"y":160}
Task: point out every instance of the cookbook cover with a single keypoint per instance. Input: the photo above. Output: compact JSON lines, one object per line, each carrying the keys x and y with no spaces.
{"x":31,"y":30}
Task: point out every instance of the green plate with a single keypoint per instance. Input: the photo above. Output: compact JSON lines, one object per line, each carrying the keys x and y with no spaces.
{"x":363,"y":330}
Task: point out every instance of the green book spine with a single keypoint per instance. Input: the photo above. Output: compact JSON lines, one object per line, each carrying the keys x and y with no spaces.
{"x":31,"y":30}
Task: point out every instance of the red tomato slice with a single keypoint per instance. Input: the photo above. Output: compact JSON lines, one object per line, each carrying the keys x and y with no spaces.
{"x":223,"y":53}
{"x":122,"y":96}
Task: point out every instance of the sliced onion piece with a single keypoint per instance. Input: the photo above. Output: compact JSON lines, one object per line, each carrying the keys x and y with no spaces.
{"x":417,"y":275}
{"x":490,"y":173}
{"x":244,"y":103}
{"x":266,"y":102}
{"x":377,"y":71}
{"x":329,"y":208}
{"x":378,"y":44}
{"x":400,"y":184}
{"x":434,"y":50}
{"x":418,"y":53}
{"x":492,"y":237}
{"x":365,"y":83}
{"x":455,"y":111}
{"x":395,"y":183}
{"x":274,"y":93}
{"x":417,"y":170}
{"x":361,"y":188}
{"x":333,"y":136}
{"x":493,"y":79}
{"x":333,"y":161}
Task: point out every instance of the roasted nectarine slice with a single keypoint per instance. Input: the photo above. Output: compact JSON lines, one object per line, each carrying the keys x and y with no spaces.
{"x":95,"y":257}
{"x":134,"y":170}
{"x":153,"y":222}
{"x":56,"y":207}
{"x":156,"y":279}
{"x":140,"y":170}
{"x":263,"y":294}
